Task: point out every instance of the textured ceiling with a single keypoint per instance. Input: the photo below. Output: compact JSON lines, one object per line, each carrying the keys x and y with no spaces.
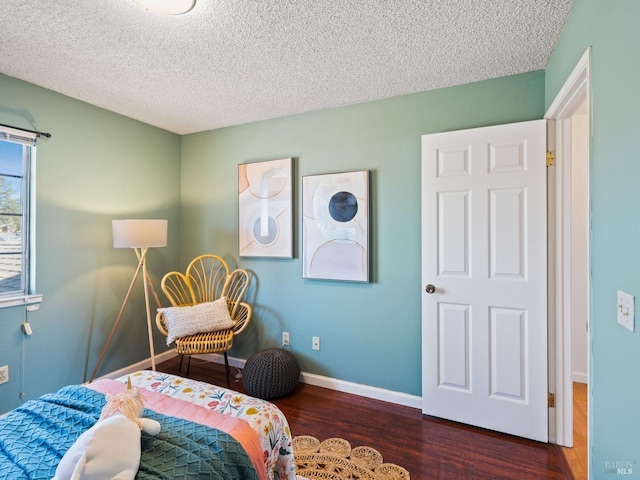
{"x":229,"y":62}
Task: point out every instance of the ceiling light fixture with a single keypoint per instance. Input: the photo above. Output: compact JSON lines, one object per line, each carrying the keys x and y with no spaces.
{"x":169,"y":7}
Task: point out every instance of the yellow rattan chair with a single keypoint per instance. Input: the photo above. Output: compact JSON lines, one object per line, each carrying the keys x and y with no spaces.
{"x":206,"y":279}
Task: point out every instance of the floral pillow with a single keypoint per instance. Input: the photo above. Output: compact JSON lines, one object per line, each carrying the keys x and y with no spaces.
{"x":199,"y":318}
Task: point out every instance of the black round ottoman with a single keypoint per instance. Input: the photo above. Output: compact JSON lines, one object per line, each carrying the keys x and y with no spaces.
{"x":270,"y":373}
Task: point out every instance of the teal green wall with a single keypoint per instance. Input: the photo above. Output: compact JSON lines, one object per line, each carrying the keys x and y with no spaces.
{"x":96,"y":167}
{"x":99,"y":166}
{"x":370,"y":333}
{"x":611,"y":28}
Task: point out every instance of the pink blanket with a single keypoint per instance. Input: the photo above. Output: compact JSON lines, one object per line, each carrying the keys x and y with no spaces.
{"x":237,"y":428}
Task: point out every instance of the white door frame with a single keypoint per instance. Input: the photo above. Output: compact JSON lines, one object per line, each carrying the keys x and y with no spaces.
{"x":575,"y":91}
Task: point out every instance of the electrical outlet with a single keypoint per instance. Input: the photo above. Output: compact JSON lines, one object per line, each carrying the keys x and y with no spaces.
{"x":4,"y":374}
{"x":315,"y":343}
{"x":285,"y":339}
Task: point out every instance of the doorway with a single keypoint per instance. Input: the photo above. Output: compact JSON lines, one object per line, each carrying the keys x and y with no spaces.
{"x":576,"y":455}
{"x":569,"y":136}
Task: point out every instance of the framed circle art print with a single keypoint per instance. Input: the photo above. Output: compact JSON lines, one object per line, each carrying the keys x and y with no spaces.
{"x":335,"y":226}
{"x":265,"y":212}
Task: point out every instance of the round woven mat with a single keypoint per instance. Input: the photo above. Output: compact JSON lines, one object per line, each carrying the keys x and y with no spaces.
{"x":334,"y":459}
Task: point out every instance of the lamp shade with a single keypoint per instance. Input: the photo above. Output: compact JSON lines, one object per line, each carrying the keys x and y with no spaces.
{"x":139,"y":233}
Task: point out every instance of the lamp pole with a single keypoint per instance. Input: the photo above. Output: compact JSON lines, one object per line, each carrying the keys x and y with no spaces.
{"x":141,"y":254}
{"x":141,"y":264}
{"x":140,"y":235}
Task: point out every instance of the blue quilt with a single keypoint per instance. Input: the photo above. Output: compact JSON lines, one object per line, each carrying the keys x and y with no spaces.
{"x":35,"y":436}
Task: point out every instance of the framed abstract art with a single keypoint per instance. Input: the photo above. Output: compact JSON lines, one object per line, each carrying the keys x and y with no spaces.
{"x":335,"y":235}
{"x":265,"y":209}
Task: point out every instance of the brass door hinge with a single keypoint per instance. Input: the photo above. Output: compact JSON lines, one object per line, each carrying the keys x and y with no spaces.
{"x":551,"y":400}
{"x":551,"y":159}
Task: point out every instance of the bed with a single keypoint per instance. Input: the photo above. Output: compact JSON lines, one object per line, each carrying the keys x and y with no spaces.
{"x":202,"y":425}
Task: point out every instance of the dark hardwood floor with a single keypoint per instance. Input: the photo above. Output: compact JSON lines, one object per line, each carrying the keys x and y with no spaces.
{"x":429,"y":448}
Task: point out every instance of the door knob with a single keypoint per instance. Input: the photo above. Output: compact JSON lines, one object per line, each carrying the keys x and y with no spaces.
{"x":430,"y":288}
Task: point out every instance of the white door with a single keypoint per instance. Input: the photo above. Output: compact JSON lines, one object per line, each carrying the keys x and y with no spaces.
{"x":484,"y":258}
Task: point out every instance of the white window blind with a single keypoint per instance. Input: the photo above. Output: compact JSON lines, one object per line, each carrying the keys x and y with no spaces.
{"x":17,"y":219}
{"x":14,"y":135}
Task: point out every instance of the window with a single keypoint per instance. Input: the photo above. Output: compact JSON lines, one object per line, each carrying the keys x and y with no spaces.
{"x":17,"y":158}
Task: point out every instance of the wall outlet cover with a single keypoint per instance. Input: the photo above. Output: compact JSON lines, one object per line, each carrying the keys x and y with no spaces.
{"x":626,"y":310}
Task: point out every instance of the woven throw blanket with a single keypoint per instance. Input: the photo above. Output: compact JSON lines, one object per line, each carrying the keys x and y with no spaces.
{"x":35,"y":436}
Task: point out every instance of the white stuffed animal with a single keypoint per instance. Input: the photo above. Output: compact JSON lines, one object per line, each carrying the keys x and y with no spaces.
{"x":111,"y":448}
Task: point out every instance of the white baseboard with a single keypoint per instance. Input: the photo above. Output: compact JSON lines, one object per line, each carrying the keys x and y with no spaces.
{"x":142,"y":365}
{"x":367,"y":391}
{"x":219,"y":358}
{"x":579,"y":377}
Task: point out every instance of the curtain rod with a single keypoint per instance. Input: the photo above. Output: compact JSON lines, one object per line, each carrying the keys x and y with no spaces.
{"x":39,"y":134}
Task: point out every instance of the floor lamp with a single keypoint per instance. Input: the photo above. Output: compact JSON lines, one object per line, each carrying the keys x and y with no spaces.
{"x":139,"y":235}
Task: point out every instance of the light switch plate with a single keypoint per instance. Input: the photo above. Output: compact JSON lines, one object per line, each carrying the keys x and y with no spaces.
{"x":626,"y":310}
